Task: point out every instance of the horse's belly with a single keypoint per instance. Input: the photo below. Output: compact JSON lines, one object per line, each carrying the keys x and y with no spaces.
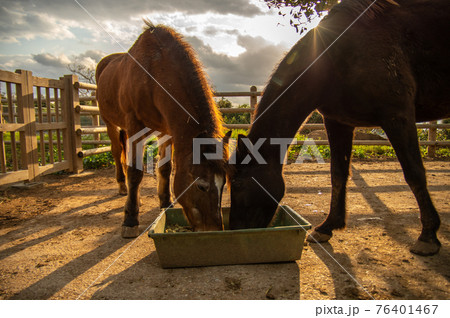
{"x":427,"y":113}
{"x":355,"y":115}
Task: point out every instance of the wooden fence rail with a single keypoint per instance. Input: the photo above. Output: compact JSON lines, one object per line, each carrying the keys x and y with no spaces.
{"x":41,"y":127}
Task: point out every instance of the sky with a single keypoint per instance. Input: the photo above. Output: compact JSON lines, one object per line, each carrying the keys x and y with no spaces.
{"x":239,"y":42}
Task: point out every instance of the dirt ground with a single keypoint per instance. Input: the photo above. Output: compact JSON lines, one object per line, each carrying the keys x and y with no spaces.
{"x":61,"y":240}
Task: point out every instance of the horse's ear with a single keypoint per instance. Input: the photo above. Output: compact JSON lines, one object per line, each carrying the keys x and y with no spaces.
{"x":226,"y":138}
{"x":149,"y":25}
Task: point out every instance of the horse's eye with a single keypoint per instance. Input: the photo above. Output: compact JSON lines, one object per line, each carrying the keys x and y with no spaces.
{"x":202,"y":188}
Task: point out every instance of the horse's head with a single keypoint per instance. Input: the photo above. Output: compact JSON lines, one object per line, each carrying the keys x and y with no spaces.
{"x":256,"y":190}
{"x":202,"y":183}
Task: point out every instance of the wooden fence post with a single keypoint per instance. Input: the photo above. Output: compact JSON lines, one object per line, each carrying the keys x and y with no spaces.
{"x":27,"y":115}
{"x":95,"y":118}
{"x":68,"y":132}
{"x":432,"y":132}
{"x":253,"y":101}
{"x":71,"y":100}
{"x":2,"y":144}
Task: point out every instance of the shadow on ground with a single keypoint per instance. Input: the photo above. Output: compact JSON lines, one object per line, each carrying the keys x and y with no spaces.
{"x":147,"y":280}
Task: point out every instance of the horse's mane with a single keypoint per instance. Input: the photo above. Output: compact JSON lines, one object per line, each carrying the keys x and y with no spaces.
{"x":207,"y":114}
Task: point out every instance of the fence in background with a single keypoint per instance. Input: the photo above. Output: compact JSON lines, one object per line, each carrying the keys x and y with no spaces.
{"x":43,"y":121}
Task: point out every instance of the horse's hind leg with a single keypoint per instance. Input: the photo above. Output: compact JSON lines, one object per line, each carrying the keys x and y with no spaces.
{"x":135,"y":173}
{"x":402,"y":134}
{"x":164,"y":170}
{"x":118,"y":152}
{"x":340,"y":138}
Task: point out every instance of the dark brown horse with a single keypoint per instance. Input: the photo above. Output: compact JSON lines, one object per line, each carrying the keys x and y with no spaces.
{"x":159,"y":86}
{"x":389,"y":69}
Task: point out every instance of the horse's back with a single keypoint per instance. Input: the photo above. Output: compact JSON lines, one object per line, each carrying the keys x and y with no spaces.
{"x":425,"y":34}
{"x":104,"y":63}
{"x":386,"y":59}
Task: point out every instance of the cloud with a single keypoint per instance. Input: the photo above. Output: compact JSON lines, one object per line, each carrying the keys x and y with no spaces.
{"x":49,"y":19}
{"x":252,"y":67}
{"x":48,"y":59}
{"x":26,"y":62}
{"x":85,"y":63}
{"x":213,"y":30}
{"x":89,"y":59}
{"x":95,"y":55}
{"x":28,"y":25}
{"x":19,"y":61}
{"x":49,"y":65}
{"x":123,"y":10}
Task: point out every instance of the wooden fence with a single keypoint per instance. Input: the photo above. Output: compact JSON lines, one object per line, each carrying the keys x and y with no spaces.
{"x":35,"y":127}
{"x":43,"y":121}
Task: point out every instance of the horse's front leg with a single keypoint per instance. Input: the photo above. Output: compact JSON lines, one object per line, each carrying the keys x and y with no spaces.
{"x":164,"y":170}
{"x":135,"y":173}
{"x":340,"y":138}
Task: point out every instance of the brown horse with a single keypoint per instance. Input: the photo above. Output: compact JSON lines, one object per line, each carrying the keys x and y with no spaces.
{"x":159,"y":86}
{"x":390,"y":69}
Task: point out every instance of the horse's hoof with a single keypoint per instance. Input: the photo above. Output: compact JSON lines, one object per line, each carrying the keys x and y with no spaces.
{"x":123,"y":189}
{"x":317,"y":237}
{"x":130,"y":231}
{"x":425,"y":248}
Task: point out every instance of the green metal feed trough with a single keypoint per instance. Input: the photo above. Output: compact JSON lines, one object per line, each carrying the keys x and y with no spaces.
{"x":281,"y":241}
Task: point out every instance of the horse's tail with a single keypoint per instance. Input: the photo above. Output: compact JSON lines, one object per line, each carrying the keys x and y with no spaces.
{"x":123,"y":142}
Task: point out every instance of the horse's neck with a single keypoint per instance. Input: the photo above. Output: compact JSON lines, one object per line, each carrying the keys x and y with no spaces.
{"x":183,"y":121}
{"x":278,"y":119}
{"x":293,"y":92}
{"x":183,"y":142}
